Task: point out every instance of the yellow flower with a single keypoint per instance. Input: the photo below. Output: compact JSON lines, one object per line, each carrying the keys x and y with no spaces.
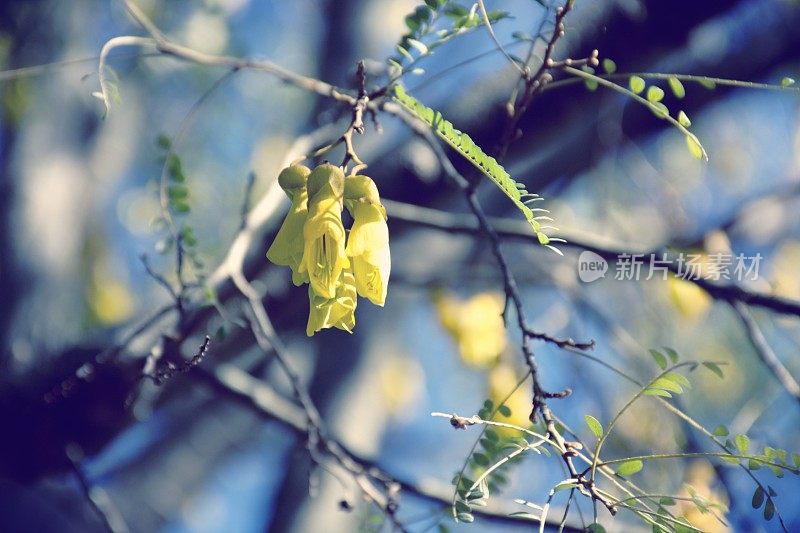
{"x":287,"y":248}
{"x":337,"y":312}
{"x":475,"y":325}
{"x":368,"y":243}
{"x":324,"y":257}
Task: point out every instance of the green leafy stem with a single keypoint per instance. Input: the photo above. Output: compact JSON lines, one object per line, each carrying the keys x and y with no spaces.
{"x":486,"y":164}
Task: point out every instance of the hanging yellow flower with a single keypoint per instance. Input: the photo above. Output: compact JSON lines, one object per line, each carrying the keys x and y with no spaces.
{"x":287,"y":248}
{"x":337,"y":312}
{"x":368,"y":243}
{"x":324,"y":257}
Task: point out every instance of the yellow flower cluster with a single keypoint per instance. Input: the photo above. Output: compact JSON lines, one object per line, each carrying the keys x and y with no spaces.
{"x":313,"y":243}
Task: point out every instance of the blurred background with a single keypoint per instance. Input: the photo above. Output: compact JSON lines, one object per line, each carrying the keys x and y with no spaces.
{"x":80,"y":194}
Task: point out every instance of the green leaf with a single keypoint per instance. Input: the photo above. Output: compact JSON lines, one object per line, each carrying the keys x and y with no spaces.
{"x":596,"y":528}
{"x":177,"y":192}
{"x":657,"y":392}
{"x":660,"y":359}
{"x":488,"y":405}
{"x":443,"y":528}
{"x":480,"y":459}
{"x":707,"y":83}
{"x":179,"y":206}
{"x":684,"y":120}
{"x":758,"y":498}
{"x":404,"y":53}
{"x":465,"y":517}
{"x":187,"y":234}
{"x":628,"y":468}
{"x":636,"y":84}
{"x":564,"y":485}
{"x":787,"y":81}
{"x":655,"y":94}
{"x":714,"y":367}
{"x":694,"y":146}
{"x":594,"y":425}
{"x":525,"y":515}
{"x":667,"y":384}
{"x":462,"y":507}
{"x":721,"y":431}
{"x":769,"y":510}
{"x":796,"y":459}
{"x":659,"y":109}
{"x":742,"y":443}
{"x":609,"y":66}
{"x":163,"y":142}
{"x":673,"y":355}
{"x":464,"y":145}
{"x":419,"y":45}
{"x":175,"y":169}
{"x":677,"y":87}
{"x":667,"y":501}
{"x":504,"y":410}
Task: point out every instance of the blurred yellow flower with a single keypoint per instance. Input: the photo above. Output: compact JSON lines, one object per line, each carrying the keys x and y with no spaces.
{"x":287,"y":248}
{"x":475,"y":325}
{"x":368,"y":242}
{"x":502,"y":380}
{"x":324,"y":257}
{"x":691,"y":301}
{"x":337,"y":312}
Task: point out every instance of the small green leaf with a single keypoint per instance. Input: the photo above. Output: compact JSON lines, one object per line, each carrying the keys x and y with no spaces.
{"x":443,"y":528}
{"x":787,"y":81}
{"x":714,"y":367}
{"x":659,"y":109}
{"x":721,"y":431}
{"x":462,"y":507}
{"x":163,"y":142}
{"x":404,"y":53}
{"x":419,"y":45}
{"x":657,"y":392}
{"x":707,"y":83}
{"x":525,"y":515}
{"x":594,"y":425}
{"x":769,"y":510}
{"x":177,"y":192}
{"x":694,"y":146}
{"x":480,"y":459}
{"x":596,"y":528}
{"x":564,"y":485}
{"x":504,"y":410}
{"x":465,"y":517}
{"x":655,"y":94}
{"x":636,"y":84}
{"x":673,"y":355}
{"x":758,"y":498}
{"x":677,"y":87}
{"x":488,"y":405}
{"x":667,"y":501}
{"x":742,"y":443}
{"x":491,"y":435}
{"x":609,"y":66}
{"x":628,"y":468}
{"x":754,"y":464}
{"x":796,"y":459}
{"x":684,"y":120}
{"x":660,"y":359}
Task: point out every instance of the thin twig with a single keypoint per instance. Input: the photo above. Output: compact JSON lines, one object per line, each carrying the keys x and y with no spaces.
{"x":765,"y":352}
